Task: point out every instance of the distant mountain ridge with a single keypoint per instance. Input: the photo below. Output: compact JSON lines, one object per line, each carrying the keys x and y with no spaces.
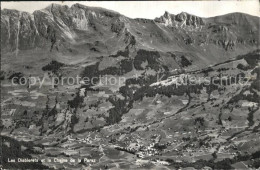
{"x":102,"y":32}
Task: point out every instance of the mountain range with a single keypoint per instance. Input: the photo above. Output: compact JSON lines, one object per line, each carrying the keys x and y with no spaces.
{"x":94,"y":32}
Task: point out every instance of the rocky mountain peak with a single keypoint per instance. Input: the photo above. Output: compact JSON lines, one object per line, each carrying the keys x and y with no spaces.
{"x":55,"y":6}
{"x":189,"y":19}
{"x":167,"y":14}
{"x":10,"y":12}
{"x":182,"y":19}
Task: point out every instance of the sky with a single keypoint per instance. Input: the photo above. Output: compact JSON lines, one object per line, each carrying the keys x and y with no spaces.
{"x":152,"y":9}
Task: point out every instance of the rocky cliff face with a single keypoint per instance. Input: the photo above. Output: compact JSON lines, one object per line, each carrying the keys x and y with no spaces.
{"x":180,"y":20}
{"x":21,"y":30}
{"x":18,"y":30}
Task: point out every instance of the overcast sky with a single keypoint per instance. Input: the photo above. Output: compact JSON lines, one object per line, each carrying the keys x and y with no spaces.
{"x":152,"y":9}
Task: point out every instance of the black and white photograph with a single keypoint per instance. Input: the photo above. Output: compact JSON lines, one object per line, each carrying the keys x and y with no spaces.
{"x":130,"y":85}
